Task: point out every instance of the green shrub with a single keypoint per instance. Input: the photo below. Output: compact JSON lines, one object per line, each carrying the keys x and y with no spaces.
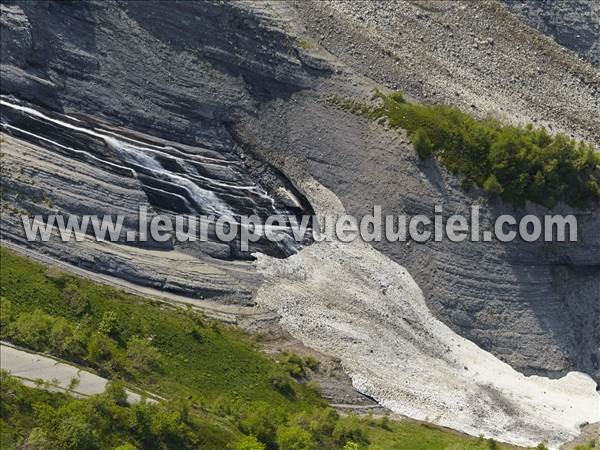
{"x":197,"y":334}
{"x":385,"y":423}
{"x":78,"y":304}
{"x":126,"y":446}
{"x":492,"y":186}
{"x":319,"y":422}
{"x":422,"y":143}
{"x":37,"y":440}
{"x":283,"y":384}
{"x":492,"y":444}
{"x":32,"y":329}
{"x":116,"y":392}
{"x":516,"y":163}
{"x":305,"y":44}
{"x":350,"y":429}
{"x":105,"y":354}
{"x":297,"y":365}
{"x":261,"y":420}
{"x":142,"y":355}
{"x":398,"y":97}
{"x":249,"y":443}
{"x":75,"y":432}
{"x":109,"y":323}
{"x":294,"y":438}
{"x":7,"y":315}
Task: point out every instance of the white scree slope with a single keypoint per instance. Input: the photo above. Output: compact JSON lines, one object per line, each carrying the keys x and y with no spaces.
{"x":352,"y":302}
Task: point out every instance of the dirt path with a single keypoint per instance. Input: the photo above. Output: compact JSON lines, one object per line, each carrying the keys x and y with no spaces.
{"x":32,"y":367}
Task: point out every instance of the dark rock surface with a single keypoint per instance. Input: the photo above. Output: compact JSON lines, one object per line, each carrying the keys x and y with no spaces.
{"x":574,"y":24}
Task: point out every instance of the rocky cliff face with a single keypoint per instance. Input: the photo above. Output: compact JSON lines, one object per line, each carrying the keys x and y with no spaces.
{"x":198,"y":107}
{"x":574,"y":24}
{"x":111,"y":107}
{"x":504,"y":297}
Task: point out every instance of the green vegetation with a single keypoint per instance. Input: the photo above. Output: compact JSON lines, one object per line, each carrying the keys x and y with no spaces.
{"x":305,"y":44}
{"x":221,"y":390}
{"x":515,"y":163}
{"x":297,"y":366}
{"x":593,"y":444}
{"x":38,"y":419}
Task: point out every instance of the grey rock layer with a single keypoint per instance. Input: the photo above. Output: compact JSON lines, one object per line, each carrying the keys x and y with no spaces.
{"x":575,"y":24}
{"x":232,"y":78}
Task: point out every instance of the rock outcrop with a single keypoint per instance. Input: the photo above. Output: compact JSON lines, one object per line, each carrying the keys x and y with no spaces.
{"x":574,"y":24}
{"x":194,"y":107}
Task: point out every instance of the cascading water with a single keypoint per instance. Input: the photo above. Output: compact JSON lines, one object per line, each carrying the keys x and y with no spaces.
{"x":177,"y":179}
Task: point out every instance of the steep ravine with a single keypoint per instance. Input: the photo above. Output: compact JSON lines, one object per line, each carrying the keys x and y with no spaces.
{"x":349,"y":300}
{"x":221,"y":105}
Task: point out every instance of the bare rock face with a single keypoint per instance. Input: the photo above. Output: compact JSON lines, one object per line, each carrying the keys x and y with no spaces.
{"x":110,"y":107}
{"x":505,"y":297}
{"x":194,"y":107}
{"x":574,"y":24}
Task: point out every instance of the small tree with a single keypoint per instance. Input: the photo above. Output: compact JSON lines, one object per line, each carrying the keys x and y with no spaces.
{"x":249,"y":443}
{"x":109,"y":323}
{"x":492,"y":186}
{"x":422,"y":143}
{"x":117,"y":393}
{"x":294,"y":438}
{"x":260,"y":419}
{"x":32,"y":329}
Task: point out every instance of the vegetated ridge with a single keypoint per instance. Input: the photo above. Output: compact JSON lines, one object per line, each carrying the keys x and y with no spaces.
{"x":516,"y":163}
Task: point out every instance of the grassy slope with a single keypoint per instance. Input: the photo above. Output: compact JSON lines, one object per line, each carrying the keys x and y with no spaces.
{"x":233,"y":388}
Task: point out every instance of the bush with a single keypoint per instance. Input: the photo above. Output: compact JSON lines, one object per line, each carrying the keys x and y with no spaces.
{"x":116,"y":392}
{"x":296,"y":365}
{"x":260,"y":419}
{"x":66,"y":339}
{"x":385,"y":423}
{"x":294,"y":438}
{"x":320,"y":422}
{"x":77,"y":304}
{"x":422,"y":143}
{"x":349,"y":429}
{"x":398,"y":97}
{"x":492,"y":444}
{"x":516,"y":163}
{"x":249,"y":443}
{"x":32,"y":329}
{"x":75,"y":432}
{"x":104,"y":353}
{"x":109,"y":323}
{"x":37,"y":440}
{"x":143,"y":356}
{"x":197,"y":334}
{"x":126,"y":446}
{"x":283,"y":385}
{"x":7,"y":315}
{"x":492,"y":186}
